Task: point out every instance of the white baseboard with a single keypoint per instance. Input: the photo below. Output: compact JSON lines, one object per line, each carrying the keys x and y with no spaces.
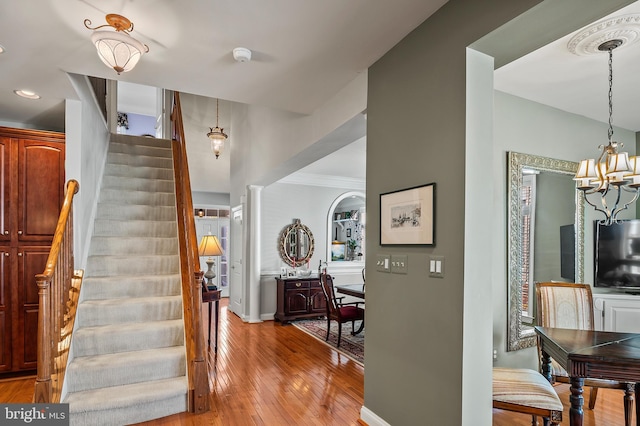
{"x":371,"y":418}
{"x":267,"y":317}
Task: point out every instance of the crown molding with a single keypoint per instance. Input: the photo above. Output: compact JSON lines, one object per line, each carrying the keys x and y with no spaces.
{"x":312,"y":179}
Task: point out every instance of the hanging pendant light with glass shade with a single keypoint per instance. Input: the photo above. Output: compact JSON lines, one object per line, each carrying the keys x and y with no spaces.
{"x":610,"y":183}
{"x":217,"y":136}
{"x":117,"y":49}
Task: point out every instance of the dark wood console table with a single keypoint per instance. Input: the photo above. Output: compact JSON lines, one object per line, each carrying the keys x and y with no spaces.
{"x":210,"y":296}
{"x":298,"y":298}
{"x":593,"y":354}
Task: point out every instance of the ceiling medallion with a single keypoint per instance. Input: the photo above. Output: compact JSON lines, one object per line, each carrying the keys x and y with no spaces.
{"x":625,"y":28}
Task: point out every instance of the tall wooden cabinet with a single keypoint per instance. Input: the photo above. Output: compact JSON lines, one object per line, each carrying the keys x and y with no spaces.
{"x":31,"y":195}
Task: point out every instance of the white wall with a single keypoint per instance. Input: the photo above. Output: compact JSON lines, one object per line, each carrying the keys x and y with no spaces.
{"x":281,"y":203}
{"x":210,"y":198}
{"x":270,"y":144}
{"x":531,"y":128}
{"x":478,"y":241}
{"x":87,"y":140}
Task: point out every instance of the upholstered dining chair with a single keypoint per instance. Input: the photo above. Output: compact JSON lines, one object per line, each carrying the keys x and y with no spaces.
{"x":340,"y":312}
{"x":570,"y":305}
{"x":526,"y":391}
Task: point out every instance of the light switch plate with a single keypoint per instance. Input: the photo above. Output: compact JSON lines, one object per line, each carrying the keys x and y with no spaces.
{"x":383,"y":263}
{"x":436,"y":266}
{"x":399,"y":264}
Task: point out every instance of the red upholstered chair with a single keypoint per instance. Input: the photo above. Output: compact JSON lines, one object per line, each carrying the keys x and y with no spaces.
{"x":345,"y":312}
{"x":570,"y":305}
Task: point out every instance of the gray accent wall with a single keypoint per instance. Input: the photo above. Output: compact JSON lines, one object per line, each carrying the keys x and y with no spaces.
{"x":417,"y":100}
{"x":555,"y":207}
{"x":419,"y":327}
{"x":531,"y":128}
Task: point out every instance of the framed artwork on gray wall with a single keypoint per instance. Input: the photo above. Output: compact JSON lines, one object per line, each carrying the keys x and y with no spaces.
{"x":407,"y":216}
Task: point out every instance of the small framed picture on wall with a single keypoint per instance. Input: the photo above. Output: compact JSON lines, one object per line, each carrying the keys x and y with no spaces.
{"x":348,"y":232}
{"x":407,"y":216}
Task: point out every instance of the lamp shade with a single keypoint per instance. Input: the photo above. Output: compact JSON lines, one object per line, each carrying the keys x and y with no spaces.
{"x":210,"y":246}
{"x":618,"y":163}
{"x":118,"y":50}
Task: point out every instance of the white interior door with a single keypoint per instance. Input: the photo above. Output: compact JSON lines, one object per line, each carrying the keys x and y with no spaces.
{"x":236,"y":283}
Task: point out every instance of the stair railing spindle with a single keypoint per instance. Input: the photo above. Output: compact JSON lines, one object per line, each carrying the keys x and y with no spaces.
{"x":53,"y":305}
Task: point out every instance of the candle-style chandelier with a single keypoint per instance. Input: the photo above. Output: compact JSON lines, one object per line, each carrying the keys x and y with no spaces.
{"x":610,"y":183}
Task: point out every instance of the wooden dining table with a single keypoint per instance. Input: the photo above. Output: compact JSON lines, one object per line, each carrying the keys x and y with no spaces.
{"x":590,"y":354}
{"x":355,"y":290}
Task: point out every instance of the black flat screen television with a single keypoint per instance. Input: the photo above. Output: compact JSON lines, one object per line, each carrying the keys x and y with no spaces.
{"x":617,"y":255}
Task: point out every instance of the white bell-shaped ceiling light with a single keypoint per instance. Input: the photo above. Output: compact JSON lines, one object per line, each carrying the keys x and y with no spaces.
{"x":117,"y":49}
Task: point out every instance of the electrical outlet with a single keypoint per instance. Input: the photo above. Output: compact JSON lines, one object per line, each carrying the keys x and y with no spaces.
{"x":383,"y":263}
{"x":399,"y":264}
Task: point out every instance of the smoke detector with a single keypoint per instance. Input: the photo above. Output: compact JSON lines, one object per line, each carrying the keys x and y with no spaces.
{"x":241,"y":54}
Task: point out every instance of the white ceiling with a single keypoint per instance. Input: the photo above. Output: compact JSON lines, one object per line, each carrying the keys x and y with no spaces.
{"x":303,"y":52}
{"x":553,"y":75}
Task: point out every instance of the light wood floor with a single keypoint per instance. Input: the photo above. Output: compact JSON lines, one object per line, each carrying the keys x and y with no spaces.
{"x":268,"y":374}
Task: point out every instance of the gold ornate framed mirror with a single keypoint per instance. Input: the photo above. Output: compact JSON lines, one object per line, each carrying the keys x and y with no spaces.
{"x":296,"y":244}
{"x":554,"y":195}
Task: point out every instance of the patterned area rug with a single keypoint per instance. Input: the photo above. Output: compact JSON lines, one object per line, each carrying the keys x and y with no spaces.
{"x":351,"y":346}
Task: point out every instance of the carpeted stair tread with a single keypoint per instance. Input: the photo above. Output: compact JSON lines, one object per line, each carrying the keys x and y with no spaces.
{"x":130,"y":286}
{"x":116,"y":311}
{"x":128,"y":358}
{"x":124,"y":264}
{"x":140,"y":150}
{"x":139,"y":161}
{"x":137,"y":140}
{"x":125,"y":368}
{"x":142,"y":228}
{"x":128,"y":211}
{"x":124,"y":170}
{"x":138,"y":184}
{"x":115,"y":338}
{"x":115,"y":406}
{"x":122,"y":196}
{"x":113,"y":245}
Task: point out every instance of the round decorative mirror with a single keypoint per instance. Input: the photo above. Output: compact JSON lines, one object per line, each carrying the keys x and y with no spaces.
{"x":296,"y":244}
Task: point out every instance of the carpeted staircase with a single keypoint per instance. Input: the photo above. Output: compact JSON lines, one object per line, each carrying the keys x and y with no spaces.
{"x":128,"y":355}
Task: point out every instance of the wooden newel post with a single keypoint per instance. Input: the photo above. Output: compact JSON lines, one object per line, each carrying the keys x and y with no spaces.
{"x":43,"y":391}
{"x":201,"y":388}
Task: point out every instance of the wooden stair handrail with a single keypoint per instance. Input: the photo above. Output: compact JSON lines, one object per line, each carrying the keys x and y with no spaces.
{"x":190,"y":269}
{"x":58,"y":289}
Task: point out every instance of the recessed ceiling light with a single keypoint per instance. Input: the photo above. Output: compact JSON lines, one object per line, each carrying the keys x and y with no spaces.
{"x":27,"y":94}
{"x":2,"y":50}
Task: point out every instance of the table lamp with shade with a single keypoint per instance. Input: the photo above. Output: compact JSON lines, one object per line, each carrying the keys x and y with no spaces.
{"x":210,"y":246}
